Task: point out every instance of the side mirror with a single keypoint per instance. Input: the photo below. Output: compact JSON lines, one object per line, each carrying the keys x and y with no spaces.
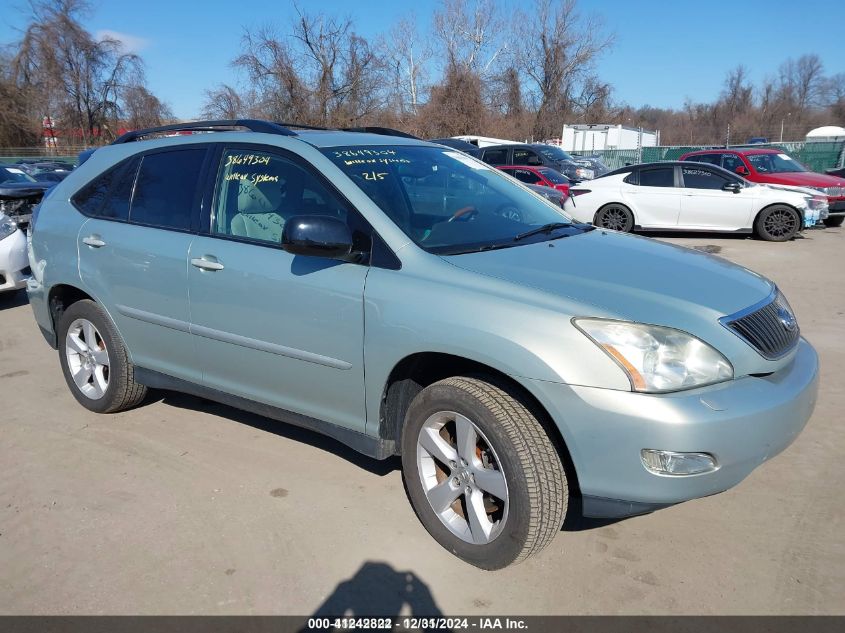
{"x":317,"y":236}
{"x":742,"y":170}
{"x":734,"y":187}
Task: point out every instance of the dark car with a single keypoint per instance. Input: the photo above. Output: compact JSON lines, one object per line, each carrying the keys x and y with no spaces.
{"x":456,"y":143}
{"x":537,"y":155}
{"x":19,"y":193}
{"x":593,"y":162}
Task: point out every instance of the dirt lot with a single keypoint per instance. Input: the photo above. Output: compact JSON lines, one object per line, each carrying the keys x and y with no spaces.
{"x":184,"y":506}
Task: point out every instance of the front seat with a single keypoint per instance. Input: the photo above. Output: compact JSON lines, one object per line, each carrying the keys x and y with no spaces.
{"x":257,"y":216}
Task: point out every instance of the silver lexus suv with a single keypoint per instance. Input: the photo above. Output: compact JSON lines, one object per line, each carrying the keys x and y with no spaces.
{"x":407,"y":299}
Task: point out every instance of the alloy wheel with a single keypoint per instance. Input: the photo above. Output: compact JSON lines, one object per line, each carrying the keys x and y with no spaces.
{"x":87,"y":358}
{"x":462,"y":478}
{"x":614,"y":218}
{"x":780,"y":222}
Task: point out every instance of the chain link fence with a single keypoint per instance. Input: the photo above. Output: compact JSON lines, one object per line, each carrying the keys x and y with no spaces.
{"x":815,"y":155}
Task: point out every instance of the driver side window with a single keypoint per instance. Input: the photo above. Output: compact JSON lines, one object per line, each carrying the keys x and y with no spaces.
{"x":257,"y":192}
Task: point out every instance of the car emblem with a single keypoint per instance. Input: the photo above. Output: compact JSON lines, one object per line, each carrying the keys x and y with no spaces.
{"x":787,"y":319}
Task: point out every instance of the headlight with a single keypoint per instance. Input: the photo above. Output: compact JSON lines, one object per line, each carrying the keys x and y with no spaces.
{"x":7,"y":226}
{"x":657,"y":358}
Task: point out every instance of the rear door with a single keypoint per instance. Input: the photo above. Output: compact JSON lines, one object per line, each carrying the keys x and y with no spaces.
{"x":133,"y":252}
{"x":653,"y":196}
{"x":276,"y":328}
{"x":705,"y":205}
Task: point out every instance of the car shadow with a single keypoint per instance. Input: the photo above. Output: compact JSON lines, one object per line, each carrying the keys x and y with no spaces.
{"x":16,"y":299}
{"x":282,"y":429}
{"x":377,"y":589}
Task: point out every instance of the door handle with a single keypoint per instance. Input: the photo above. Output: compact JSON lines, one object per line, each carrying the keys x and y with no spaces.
{"x":93,"y":241}
{"x":206,"y":264}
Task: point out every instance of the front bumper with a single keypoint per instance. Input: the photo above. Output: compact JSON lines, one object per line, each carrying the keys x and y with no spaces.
{"x":14,"y":265}
{"x":742,"y":423}
{"x":836,"y":206}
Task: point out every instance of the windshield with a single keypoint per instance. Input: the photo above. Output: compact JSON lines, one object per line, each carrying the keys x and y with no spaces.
{"x":13,"y":174}
{"x":774,"y":163}
{"x":446,"y":201}
{"x":553,"y":153}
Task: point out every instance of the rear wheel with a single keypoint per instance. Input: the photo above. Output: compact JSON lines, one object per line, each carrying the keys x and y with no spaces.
{"x":482,"y":474}
{"x":94,"y":361}
{"x":616,"y":217}
{"x":834,"y":222}
{"x":777,"y":223}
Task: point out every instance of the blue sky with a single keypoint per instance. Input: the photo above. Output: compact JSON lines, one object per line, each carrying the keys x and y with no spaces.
{"x":665,"y":50}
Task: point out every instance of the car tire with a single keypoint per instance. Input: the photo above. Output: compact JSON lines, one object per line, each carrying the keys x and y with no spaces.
{"x":616,"y":217}
{"x":834,"y":222}
{"x":777,"y":223}
{"x":529,"y":497}
{"x":94,"y":360}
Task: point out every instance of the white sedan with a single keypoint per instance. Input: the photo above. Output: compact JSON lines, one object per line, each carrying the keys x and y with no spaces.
{"x":692,"y":197}
{"x":14,"y":265}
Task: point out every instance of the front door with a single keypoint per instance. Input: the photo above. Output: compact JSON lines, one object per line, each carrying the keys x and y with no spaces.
{"x":705,"y":204}
{"x":280,"y":329}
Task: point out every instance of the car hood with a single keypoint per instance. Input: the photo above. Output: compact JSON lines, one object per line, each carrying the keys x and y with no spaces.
{"x":24,"y":189}
{"x":802,"y":179}
{"x":627,"y":277}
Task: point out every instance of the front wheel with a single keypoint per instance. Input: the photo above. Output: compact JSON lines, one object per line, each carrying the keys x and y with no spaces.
{"x":834,"y":221}
{"x":777,"y":223}
{"x":616,"y":217}
{"x":481,"y":472}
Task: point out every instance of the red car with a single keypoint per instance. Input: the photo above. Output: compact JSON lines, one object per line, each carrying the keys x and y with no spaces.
{"x":772,"y":166}
{"x":542,"y":176}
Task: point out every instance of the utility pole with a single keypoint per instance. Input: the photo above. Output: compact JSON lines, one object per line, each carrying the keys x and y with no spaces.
{"x":728,"y":137}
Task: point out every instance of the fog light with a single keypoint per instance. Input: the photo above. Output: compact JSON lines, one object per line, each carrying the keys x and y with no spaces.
{"x":670,"y":463}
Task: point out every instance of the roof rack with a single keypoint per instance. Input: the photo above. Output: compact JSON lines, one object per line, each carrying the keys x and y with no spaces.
{"x":386,"y":131}
{"x":253,"y":125}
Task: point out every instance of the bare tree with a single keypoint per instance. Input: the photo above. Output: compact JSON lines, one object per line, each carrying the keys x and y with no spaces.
{"x":272,"y":70}
{"x":556,"y":49}
{"x":141,"y":109}
{"x":78,"y":77}
{"x":223,"y":102}
{"x":406,"y":56}
{"x":471,"y":32}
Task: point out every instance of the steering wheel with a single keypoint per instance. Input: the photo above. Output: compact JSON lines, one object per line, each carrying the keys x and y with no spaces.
{"x":509,"y":212}
{"x":464,"y":214}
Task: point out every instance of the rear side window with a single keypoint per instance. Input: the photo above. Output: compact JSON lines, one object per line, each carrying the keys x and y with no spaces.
{"x":496,"y":156}
{"x":657,"y":177}
{"x":526,"y":157}
{"x":713,"y":159}
{"x":108,"y":195}
{"x":695,"y":178}
{"x":166,"y":187}
{"x":524,"y":175}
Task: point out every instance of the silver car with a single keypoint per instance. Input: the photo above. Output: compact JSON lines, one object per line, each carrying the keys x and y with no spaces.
{"x":407,"y":299}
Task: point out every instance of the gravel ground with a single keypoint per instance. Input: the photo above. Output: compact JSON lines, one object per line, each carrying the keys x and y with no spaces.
{"x":183,"y":506}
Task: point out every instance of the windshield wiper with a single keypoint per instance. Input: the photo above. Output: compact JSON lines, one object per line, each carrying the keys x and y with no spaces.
{"x":546,"y":228}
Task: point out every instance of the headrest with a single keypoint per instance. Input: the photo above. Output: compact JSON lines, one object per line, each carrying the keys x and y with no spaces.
{"x":260,"y":198}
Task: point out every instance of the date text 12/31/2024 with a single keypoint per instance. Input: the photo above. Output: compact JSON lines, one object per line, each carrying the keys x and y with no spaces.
{"x":416,"y":624}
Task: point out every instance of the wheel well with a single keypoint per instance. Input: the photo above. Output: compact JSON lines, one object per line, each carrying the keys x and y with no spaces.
{"x":61,"y":297}
{"x":416,"y":372}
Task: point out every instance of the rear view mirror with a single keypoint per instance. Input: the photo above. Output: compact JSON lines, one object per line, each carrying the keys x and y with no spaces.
{"x":734,"y":187}
{"x":317,"y":236}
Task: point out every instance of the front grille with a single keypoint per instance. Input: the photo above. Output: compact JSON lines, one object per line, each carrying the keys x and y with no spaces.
{"x":835,"y":191}
{"x":772,"y":329}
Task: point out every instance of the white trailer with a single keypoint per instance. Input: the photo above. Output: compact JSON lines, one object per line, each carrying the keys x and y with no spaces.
{"x":598,"y":137}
